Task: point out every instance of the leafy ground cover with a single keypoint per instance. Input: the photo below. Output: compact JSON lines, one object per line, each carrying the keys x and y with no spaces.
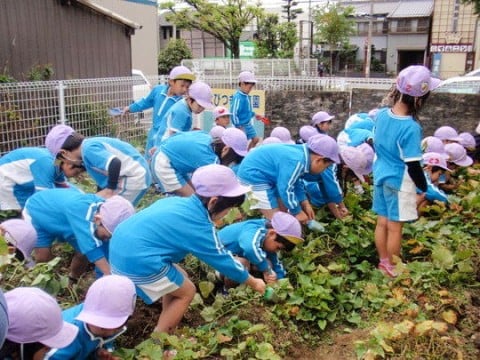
{"x":334,"y":304}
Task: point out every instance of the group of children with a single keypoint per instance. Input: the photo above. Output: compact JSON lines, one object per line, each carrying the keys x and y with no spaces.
{"x":139,"y":253}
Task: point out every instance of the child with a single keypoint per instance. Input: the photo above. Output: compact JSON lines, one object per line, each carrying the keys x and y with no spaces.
{"x":241,"y":107}
{"x":26,"y":170}
{"x":256,"y":243}
{"x":216,"y":132}
{"x":221,"y":115}
{"x":357,"y":163}
{"x":85,"y":221}
{"x":275,"y":172}
{"x":305,"y":132}
{"x":283,"y":134}
{"x":234,"y":148}
{"x":171,"y":228}
{"x":21,"y":236}
{"x":179,"y":117}
{"x":322,"y":121}
{"x":35,"y":325}
{"x":161,"y":98}
{"x":109,"y":302}
{"x":434,"y":165}
{"x":457,"y":158}
{"x":397,"y":171}
{"x":435,"y":145}
{"x":447,"y":134}
{"x":271,"y":140}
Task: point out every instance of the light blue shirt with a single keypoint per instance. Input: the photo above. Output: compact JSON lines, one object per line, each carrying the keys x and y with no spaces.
{"x":279,"y":166}
{"x":178,"y":119}
{"x":324,"y":188}
{"x":397,"y":141}
{"x":241,"y":109}
{"x":66,"y":215}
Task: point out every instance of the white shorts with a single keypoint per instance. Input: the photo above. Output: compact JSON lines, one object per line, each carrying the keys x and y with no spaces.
{"x":165,"y":175}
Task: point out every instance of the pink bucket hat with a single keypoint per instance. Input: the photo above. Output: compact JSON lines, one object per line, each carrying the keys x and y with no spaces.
{"x":35,"y":316}
{"x":236,"y":139}
{"x":283,"y":134}
{"x":217,"y":180}
{"x":435,"y":159}
{"x":447,"y":133}
{"x":287,"y":226}
{"x":56,"y":138}
{"x":217,"y":131}
{"x":271,"y":140}
{"x":247,"y":77}
{"x":201,"y":93}
{"x":359,"y":160}
{"x":458,"y":154}
{"x":181,"y":73}
{"x":115,"y":210}
{"x":416,"y":81}
{"x":220,"y":111}
{"x":467,"y":140}
{"x":320,"y":117}
{"x":306,"y":131}
{"x":325,"y":146}
{"x":435,"y":145}
{"x":109,"y":302}
{"x":22,"y":235}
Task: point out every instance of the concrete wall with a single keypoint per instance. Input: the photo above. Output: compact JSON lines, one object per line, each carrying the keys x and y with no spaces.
{"x":294,"y":109}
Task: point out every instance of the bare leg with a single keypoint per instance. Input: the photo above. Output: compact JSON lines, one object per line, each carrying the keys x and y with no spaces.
{"x":43,"y":254}
{"x":253,"y":142}
{"x":185,"y":191}
{"x":381,"y":235}
{"x":394,"y":240}
{"x":78,"y":266}
{"x":268,"y":213}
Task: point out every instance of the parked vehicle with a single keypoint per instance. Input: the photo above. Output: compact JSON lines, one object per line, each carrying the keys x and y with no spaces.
{"x":141,"y":86}
{"x":475,"y":72}
{"x":460,"y":85}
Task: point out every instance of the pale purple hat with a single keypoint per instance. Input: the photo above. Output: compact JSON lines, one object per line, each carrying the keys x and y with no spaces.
{"x":325,"y":146}
{"x":271,"y":140}
{"x":287,"y":226}
{"x":306,"y":131}
{"x":467,"y":140}
{"x":201,"y":93}
{"x":320,"y":117}
{"x":35,"y":316}
{"x":435,"y":145}
{"x":217,"y":180}
{"x":181,"y":73}
{"x":359,"y":160}
{"x":458,"y":154}
{"x":236,"y":139}
{"x":247,"y":77}
{"x":435,"y":159}
{"x":115,"y":210}
{"x":56,"y":138}
{"x":283,"y":134}
{"x":446,"y":133}
{"x":109,"y":302}
{"x":22,"y":235}
{"x":217,"y":131}
{"x":416,"y":80}
{"x":220,"y":111}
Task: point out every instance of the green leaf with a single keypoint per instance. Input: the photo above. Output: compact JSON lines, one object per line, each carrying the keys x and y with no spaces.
{"x":206,"y":288}
{"x":442,"y":257}
{"x":208,"y":313}
{"x":322,"y":324}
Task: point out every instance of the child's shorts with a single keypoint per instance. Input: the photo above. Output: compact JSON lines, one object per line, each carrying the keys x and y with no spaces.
{"x":169,"y":280}
{"x":167,"y":178}
{"x":393,"y":204}
{"x":265,"y":199}
{"x":249,"y":130}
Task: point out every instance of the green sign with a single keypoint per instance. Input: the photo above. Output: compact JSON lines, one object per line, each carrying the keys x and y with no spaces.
{"x":246,"y":49}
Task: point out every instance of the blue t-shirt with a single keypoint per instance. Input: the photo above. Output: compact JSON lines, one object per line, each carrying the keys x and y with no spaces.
{"x":241,"y":109}
{"x":279,"y":166}
{"x":188,"y":151}
{"x":163,"y":234}
{"x":85,"y":343}
{"x":178,"y":118}
{"x":324,"y":188}
{"x":397,"y":141}
{"x":98,"y":152}
{"x":246,"y":239}
{"x":66,"y":215}
{"x":26,"y":170}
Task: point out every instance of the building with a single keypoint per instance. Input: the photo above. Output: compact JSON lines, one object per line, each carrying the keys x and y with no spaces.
{"x":72,"y":38}
{"x":453,"y":38}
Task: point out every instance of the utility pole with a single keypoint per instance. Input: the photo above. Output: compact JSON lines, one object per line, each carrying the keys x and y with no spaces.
{"x":369,"y":42}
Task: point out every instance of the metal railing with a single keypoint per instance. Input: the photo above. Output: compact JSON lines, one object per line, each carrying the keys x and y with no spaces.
{"x":29,"y":109}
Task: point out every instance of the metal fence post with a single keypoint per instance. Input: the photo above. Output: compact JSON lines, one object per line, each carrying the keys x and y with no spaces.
{"x":61,"y":101}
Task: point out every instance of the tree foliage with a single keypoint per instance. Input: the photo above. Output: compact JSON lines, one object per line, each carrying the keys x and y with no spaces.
{"x":333,"y":26}
{"x":275,"y":39}
{"x":225,"y":20}
{"x":291,"y":11}
{"x":476,"y":5}
{"x":172,"y":55}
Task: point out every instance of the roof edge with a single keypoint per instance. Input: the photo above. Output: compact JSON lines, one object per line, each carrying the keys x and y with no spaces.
{"x":110,"y":13}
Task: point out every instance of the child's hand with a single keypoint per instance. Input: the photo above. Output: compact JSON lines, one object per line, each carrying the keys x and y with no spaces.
{"x":270,"y":276}
{"x":256,"y":284}
{"x":302,"y":217}
{"x":104,"y":354}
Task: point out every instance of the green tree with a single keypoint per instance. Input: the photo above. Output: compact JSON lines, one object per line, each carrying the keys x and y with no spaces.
{"x":290,"y":9}
{"x":275,"y":39}
{"x":476,"y":5}
{"x":225,"y":20}
{"x":333,"y":26}
{"x":172,"y":55}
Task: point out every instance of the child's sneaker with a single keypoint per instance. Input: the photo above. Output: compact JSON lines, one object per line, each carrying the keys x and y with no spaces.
{"x":388,"y":269}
